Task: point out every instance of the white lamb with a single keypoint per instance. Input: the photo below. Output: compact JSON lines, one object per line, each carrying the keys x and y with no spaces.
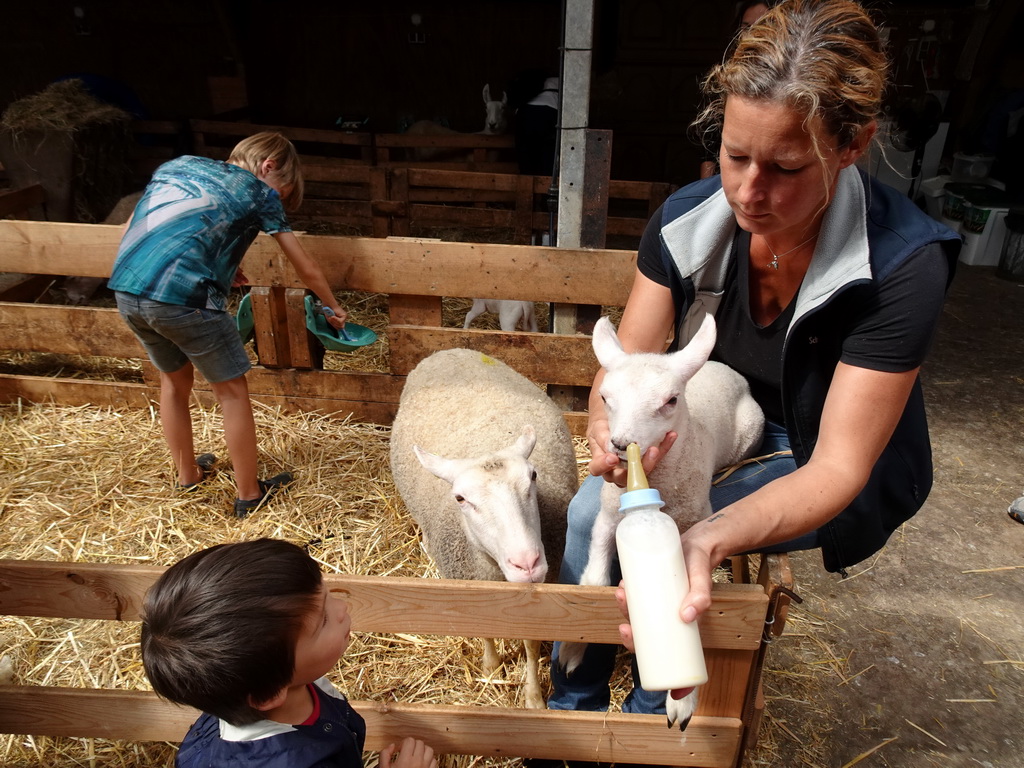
{"x":646,"y":396}
{"x":486,"y":511}
{"x":511,"y":313}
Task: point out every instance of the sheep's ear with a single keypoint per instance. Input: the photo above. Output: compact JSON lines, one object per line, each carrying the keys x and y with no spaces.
{"x":438,"y":466}
{"x":487,"y":93}
{"x":504,"y":98}
{"x":527,"y":442}
{"x":690,"y":358}
{"x":606,"y":343}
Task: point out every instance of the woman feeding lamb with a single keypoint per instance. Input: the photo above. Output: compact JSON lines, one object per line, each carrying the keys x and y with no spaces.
{"x":826,"y":287}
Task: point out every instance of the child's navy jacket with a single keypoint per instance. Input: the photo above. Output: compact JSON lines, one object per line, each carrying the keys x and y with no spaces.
{"x":335,"y":738}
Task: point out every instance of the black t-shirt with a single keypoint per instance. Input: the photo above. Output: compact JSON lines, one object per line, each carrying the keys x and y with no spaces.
{"x":887,"y":326}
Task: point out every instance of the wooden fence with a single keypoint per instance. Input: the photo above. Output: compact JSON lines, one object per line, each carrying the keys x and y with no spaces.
{"x":723,"y":728}
{"x":374,"y":182}
{"x":415,"y":275}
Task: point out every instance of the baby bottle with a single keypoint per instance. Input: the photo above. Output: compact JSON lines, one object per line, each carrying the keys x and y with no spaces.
{"x":668,"y":651}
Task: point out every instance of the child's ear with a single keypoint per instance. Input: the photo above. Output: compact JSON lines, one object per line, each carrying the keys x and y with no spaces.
{"x":267,"y":167}
{"x":272,"y":703}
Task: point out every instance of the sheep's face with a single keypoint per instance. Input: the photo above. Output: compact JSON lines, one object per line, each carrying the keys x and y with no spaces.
{"x":497,"y":501}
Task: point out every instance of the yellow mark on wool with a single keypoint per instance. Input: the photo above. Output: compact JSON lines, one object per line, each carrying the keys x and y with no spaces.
{"x":487,"y":360}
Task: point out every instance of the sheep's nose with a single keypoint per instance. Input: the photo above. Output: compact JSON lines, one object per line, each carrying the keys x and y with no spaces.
{"x":532,"y":565}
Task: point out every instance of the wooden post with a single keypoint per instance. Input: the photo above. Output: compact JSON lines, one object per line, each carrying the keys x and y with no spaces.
{"x":270,"y":317}
{"x":305,"y":351}
{"x":379,"y":183}
{"x":400,"y":195}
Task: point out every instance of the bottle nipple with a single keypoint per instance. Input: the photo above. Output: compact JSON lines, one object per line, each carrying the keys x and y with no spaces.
{"x":635,"y":477}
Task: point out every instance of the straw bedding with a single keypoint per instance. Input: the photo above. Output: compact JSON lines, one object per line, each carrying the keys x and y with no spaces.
{"x":94,"y":484}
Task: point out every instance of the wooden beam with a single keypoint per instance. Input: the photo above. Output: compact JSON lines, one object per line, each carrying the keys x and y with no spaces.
{"x":709,"y":742}
{"x":102,"y":394}
{"x":67,"y":330}
{"x":542,"y":357}
{"x":410,"y":266}
{"x":391,"y":604}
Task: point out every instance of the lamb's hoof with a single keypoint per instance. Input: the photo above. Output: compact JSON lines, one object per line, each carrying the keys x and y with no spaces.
{"x":570,"y":655}
{"x":535,"y":702}
{"x":679,"y":711}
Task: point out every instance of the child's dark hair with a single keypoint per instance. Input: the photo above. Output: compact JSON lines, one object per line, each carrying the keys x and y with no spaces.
{"x":219,"y":627}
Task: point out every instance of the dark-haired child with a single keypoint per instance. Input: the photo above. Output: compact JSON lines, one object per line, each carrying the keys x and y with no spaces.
{"x":246,"y":632}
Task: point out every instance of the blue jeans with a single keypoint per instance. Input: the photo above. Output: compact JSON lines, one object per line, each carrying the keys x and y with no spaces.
{"x":587,"y":687}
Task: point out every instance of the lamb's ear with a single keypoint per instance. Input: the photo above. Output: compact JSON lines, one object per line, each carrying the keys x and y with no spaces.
{"x":438,"y":466}
{"x":690,"y":358}
{"x":487,"y":93}
{"x":527,"y":441}
{"x":606,"y":343}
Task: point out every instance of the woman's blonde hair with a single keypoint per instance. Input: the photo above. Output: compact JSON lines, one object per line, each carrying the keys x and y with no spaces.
{"x":823,"y":58}
{"x":250,"y":154}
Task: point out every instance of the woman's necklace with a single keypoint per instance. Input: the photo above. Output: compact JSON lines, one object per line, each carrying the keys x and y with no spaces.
{"x":774,"y":263}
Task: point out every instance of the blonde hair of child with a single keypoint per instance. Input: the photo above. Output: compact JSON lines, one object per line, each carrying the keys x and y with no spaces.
{"x":251,"y":153}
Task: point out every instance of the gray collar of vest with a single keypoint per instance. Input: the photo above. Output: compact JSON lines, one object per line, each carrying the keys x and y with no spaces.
{"x":700,"y":243}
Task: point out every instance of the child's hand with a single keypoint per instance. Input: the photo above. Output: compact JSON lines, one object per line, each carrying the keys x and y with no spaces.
{"x":413,"y":754}
{"x":338,"y":318}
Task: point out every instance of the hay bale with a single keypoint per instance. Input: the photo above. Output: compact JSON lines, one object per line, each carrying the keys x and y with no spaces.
{"x":72,"y":144}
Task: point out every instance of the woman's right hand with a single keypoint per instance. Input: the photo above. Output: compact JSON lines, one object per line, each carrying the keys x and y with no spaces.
{"x":412,"y":754}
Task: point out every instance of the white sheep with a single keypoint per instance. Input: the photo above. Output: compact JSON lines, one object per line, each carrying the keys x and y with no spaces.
{"x":511,"y":313}
{"x":485,"y":464}
{"x":717,"y":421}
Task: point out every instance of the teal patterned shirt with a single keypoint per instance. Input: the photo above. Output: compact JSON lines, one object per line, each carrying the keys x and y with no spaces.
{"x":191,"y":229}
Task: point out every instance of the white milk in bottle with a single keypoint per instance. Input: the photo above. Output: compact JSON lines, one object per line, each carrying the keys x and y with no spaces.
{"x":668,"y":651}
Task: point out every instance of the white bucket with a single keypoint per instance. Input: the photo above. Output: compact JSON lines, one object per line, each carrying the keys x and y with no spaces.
{"x":984,"y":230}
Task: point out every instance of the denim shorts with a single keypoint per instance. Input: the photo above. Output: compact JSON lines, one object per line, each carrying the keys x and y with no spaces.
{"x":174,"y":335}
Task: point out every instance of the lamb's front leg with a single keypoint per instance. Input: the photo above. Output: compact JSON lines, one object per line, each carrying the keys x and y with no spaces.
{"x":491,"y":661}
{"x":531,"y":689}
{"x":597,"y":572}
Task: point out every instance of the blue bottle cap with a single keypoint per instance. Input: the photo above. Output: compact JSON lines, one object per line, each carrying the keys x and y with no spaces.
{"x":642,"y":497}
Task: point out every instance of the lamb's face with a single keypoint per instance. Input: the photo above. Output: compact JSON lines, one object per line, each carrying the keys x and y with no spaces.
{"x":643,"y":400}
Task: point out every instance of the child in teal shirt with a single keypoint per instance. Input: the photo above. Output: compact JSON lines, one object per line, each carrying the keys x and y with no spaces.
{"x":177,"y":261}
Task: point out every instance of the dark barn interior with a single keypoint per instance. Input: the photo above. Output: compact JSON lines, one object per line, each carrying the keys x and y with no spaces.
{"x":307,"y":63}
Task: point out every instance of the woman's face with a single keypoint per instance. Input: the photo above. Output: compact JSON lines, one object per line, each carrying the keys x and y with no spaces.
{"x":771,"y":174}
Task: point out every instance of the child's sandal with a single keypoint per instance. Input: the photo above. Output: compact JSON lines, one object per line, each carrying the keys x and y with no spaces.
{"x":267,"y":489}
{"x":207,"y":462}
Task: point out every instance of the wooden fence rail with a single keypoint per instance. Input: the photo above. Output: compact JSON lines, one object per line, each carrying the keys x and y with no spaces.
{"x":376,"y":182}
{"x":414,"y":274}
{"x":731,"y":631}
